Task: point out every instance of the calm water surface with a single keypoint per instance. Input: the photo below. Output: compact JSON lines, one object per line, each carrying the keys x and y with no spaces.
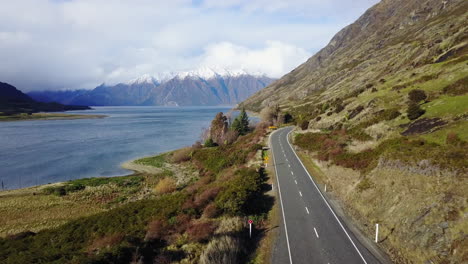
{"x":45,"y":151}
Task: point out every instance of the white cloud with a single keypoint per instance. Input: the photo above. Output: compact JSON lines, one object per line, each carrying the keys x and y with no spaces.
{"x":56,"y":44}
{"x":275,"y":59}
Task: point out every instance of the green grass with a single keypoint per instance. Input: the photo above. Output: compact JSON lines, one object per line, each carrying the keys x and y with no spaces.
{"x":155,"y":161}
{"x":439,"y":137}
{"x":80,"y":184}
{"x":447,"y":106}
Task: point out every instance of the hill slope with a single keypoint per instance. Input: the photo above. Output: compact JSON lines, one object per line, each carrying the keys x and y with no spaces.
{"x":13,"y":101}
{"x":389,"y":41}
{"x":384,"y":111}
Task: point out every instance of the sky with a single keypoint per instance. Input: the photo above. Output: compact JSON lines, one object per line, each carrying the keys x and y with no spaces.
{"x":79,"y":44}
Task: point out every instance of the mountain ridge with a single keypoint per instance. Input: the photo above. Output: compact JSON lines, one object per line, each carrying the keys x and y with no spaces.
{"x":201,"y":87}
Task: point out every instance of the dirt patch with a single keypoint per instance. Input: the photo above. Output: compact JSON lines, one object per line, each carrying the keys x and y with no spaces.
{"x":424,"y":126}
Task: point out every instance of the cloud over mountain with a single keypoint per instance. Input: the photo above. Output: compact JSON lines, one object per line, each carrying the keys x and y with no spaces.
{"x":57,"y":44}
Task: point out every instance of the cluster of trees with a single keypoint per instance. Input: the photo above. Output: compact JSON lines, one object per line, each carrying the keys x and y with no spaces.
{"x":223,"y":133}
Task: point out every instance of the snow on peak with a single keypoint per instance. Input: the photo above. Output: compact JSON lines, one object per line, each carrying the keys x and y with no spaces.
{"x":145,"y":78}
{"x":210,"y":73}
{"x":205,"y":73}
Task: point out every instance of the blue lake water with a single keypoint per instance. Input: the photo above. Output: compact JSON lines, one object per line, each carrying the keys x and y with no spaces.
{"x":46,"y":151}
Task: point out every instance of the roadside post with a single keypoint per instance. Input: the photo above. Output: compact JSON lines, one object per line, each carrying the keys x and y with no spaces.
{"x":376,"y":233}
{"x":250,"y":228}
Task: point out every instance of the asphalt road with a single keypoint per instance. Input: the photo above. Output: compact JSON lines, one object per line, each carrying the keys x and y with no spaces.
{"x":310,"y":232}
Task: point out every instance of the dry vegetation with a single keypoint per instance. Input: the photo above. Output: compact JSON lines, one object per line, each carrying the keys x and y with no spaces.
{"x":195,"y":203}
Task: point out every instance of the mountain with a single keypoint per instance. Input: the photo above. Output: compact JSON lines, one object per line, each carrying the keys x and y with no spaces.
{"x":204,"y":86}
{"x":383,"y":117}
{"x":13,"y":101}
{"x":388,"y":41}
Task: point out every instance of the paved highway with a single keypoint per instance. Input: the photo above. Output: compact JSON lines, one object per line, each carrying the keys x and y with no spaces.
{"x":310,"y":231}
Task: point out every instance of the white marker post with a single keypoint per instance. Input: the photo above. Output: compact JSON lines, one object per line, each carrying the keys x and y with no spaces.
{"x":325,"y":188}
{"x":250,"y":228}
{"x":376,"y":233}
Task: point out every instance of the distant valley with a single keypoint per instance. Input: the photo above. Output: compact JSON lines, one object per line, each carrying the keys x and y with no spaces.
{"x":200,"y":87}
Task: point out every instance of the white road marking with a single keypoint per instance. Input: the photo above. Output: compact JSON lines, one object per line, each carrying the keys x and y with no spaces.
{"x":289,"y":165}
{"x":300,"y":193}
{"x":282,"y":207}
{"x":307,"y":210}
{"x":287,"y":160}
{"x":292,"y":173}
{"x":325,"y":200}
{"x":316,"y":232}
{"x":295,"y":181}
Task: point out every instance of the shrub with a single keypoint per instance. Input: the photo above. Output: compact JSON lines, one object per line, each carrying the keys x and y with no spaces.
{"x":414,"y":111}
{"x":166,"y":185}
{"x":239,"y":191}
{"x":200,"y":232}
{"x":211,"y":211}
{"x":417,"y":95}
{"x":206,"y":196}
{"x":304,"y":125}
{"x":288,"y":118}
{"x":224,"y":249}
{"x":210,"y":143}
{"x":339,"y":108}
{"x":156,"y":230}
{"x":353,"y":113}
{"x":364,"y":184}
{"x":104,"y":242}
{"x":181,"y":155}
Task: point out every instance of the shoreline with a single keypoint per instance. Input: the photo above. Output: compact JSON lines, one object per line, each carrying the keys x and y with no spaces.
{"x":48,"y":116}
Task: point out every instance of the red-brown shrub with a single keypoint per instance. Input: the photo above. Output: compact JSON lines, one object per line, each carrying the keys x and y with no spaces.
{"x":201,"y":231}
{"x":211,"y":211}
{"x":206,"y":196}
{"x":182,"y":222}
{"x":104,"y":242}
{"x":156,"y":230}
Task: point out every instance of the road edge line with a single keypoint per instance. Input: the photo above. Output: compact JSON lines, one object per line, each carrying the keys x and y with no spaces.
{"x":281,"y":199}
{"x":326,"y":202}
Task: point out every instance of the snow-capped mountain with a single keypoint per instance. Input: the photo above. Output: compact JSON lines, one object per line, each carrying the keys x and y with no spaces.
{"x":203,"y":86}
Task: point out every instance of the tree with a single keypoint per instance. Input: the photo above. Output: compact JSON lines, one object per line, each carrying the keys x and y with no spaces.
{"x":270,"y":114}
{"x":241,"y":123}
{"x":219,"y":127}
{"x":414,"y":111}
{"x":417,"y":95}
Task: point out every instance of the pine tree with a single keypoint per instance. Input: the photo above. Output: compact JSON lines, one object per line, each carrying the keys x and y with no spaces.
{"x":244,"y":122}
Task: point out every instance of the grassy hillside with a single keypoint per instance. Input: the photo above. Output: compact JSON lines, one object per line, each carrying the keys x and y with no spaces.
{"x":383,"y":113}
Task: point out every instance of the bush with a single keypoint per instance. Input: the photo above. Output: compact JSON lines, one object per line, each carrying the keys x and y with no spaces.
{"x":224,"y":249}
{"x":166,"y":185}
{"x":181,"y":155}
{"x":206,"y":196}
{"x":414,"y":111}
{"x":417,"y":95}
{"x":339,"y":108}
{"x":244,"y":187}
{"x":364,"y":184}
{"x":210,"y":143}
{"x":211,"y":211}
{"x":200,"y":232}
{"x":304,"y":125}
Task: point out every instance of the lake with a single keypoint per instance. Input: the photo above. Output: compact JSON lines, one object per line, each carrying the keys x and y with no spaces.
{"x":45,"y":151}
